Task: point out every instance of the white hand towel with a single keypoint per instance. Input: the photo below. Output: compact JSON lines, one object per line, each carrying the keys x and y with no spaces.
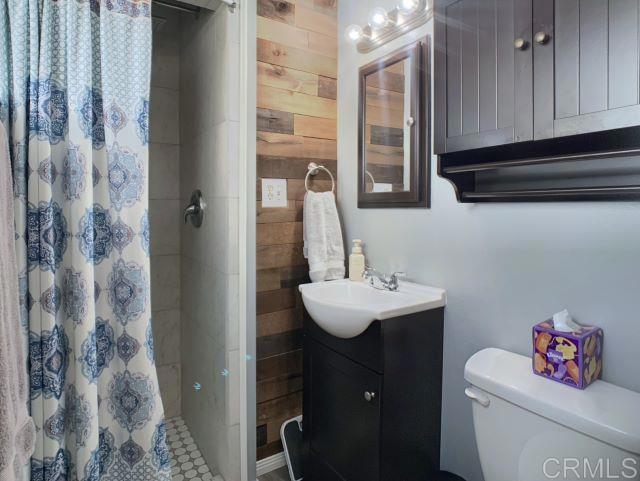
{"x":323,"y":246}
{"x":17,"y":431}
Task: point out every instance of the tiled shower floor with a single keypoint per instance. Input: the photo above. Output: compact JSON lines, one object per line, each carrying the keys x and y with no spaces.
{"x":187,"y":463}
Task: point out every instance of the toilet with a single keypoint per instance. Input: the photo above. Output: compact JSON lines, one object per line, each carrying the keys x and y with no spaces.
{"x":531,"y":429}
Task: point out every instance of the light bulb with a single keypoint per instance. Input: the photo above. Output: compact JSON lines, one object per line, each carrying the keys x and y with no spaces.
{"x":378,"y":18}
{"x":408,"y":6}
{"x":354,"y":33}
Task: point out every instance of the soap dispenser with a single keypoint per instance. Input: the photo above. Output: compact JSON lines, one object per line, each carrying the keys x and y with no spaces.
{"x":356,"y":262}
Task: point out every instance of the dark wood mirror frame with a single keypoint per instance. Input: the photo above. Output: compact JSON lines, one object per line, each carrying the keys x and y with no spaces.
{"x":420,"y":144}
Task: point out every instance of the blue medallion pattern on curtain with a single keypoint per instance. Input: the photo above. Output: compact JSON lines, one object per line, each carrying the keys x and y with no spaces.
{"x":74,"y":97}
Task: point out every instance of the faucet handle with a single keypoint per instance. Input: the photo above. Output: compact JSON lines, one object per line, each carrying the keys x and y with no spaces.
{"x":367,"y":274}
{"x":393,"y":280}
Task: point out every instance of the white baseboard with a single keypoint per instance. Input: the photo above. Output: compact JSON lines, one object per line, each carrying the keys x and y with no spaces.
{"x":271,"y":463}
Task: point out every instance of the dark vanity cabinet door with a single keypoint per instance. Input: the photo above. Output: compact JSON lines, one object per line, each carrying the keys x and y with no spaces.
{"x":372,"y":403}
{"x":344,"y":426}
{"x":585,"y":66}
{"x":483,"y":76}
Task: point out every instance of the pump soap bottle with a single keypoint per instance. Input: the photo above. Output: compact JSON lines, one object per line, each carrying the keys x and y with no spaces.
{"x":356,"y":262}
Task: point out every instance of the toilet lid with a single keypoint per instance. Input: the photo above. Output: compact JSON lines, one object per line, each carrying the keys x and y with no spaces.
{"x":604,"y":411}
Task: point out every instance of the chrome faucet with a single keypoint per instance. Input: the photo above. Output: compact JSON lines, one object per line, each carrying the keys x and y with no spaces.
{"x":385,"y":282}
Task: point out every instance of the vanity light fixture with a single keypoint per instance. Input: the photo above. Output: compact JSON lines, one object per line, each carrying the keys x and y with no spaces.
{"x":384,"y":26}
{"x":408,"y":6}
{"x":354,"y":33}
{"x":379,"y":18}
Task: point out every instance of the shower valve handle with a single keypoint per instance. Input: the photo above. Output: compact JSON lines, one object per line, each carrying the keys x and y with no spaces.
{"x":195,"y":210}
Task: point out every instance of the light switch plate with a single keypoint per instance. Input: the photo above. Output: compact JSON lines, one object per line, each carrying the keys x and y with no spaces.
{"x":274,"y":192}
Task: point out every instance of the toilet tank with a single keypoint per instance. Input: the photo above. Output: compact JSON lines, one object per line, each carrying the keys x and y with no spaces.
{"x":530,"y":429}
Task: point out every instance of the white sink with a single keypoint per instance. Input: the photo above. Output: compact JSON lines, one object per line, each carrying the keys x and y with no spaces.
{"x":345,"y":309}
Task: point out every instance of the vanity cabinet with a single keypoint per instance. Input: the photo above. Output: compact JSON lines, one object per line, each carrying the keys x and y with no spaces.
{"x":538,"y":82}
{"x":372,"y":404}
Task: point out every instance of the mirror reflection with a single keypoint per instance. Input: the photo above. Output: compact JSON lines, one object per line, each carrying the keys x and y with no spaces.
{"x":388,"y":125}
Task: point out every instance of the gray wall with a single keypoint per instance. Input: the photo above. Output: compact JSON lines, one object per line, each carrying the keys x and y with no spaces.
{"x":209,"y":108}
{"x":505,"y":267}
{"x":164,"y":207}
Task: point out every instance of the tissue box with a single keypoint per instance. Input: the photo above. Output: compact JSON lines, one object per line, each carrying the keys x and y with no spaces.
{"x":572,"y":358}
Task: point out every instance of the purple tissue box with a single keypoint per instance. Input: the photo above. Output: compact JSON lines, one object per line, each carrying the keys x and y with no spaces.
{"x":572,"y":358}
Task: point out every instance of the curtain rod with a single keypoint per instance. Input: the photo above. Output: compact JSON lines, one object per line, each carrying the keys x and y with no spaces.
{"x":231,"y":4}
{"x":181,"y":8}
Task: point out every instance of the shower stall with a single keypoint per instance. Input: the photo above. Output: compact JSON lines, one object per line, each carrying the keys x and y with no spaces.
{"x":194,"y":146}
{"x":129,"y":314}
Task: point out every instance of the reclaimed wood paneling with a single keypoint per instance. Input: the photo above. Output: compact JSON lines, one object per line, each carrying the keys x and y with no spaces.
{"x":283,"y":34}
{"x":323,"y":44}
{"x":291,"y":213}
{"x":279,"y":322}
{"x":297,"y":112}
{"x":294,"y":146}
{"x":276,"y":121}
{"x":278,"y":386}
{"x":300,"y":59}
{"x":314,"y":127}
{"x":277,"y":234}
{"x":287,"y":363}
{"x":277,"y":10}
{"x":271,"y":301}
{"x":277,"y":344}
{"x":287,"y":78}
{"x":328,"y":7}
{"x":280,"y":256}
{"x":296,"y":102}
{"x":296,"y":189}
{"x":327,"y":87}
{"x":275,"y":167}
{"x":314,"y":21}
{"x":268,"y":280}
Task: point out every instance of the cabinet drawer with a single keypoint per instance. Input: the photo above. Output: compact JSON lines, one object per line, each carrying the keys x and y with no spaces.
{"x":344,"y":418}
{"x":365,"y":349}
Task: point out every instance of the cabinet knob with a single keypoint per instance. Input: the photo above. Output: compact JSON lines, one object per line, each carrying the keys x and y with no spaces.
{"x":411,"y":121}
{"x":369,"y":396}
{"x":520,"y":44}
{"x":542,"y":38}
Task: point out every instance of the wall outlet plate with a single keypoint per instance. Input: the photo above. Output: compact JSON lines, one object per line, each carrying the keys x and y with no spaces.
{"x":274,"y":192}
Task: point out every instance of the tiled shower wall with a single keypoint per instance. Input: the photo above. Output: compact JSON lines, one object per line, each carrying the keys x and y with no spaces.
{"x":164,"y":206}
{"x":209,"y":108}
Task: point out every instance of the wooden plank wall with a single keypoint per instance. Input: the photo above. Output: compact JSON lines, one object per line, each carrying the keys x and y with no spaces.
{"x":297,"y":71}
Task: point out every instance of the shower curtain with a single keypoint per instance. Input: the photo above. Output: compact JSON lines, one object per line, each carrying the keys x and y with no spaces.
{"x":74,"y":96}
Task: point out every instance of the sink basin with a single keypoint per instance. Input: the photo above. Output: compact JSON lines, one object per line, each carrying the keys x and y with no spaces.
{"x":345,"y":309}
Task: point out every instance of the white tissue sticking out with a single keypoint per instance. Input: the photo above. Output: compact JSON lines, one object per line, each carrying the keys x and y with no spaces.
{"x":563,"y":322}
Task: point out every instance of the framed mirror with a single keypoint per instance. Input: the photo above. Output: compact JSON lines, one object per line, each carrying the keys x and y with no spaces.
{"x":393,"y":132}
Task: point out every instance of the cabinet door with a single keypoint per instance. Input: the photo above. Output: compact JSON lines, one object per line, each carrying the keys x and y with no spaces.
{"x":586,"y":73}
{"x":345,"y":427}
{"x":483,"y":81}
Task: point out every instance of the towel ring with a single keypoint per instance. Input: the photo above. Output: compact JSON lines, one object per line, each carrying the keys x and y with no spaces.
{"x":313,"y":169}
{"x":373,"y":181}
